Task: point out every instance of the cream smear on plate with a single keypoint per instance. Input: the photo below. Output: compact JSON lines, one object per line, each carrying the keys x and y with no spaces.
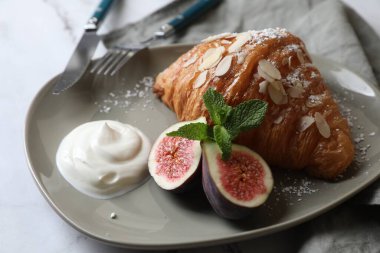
{"x":104,"y":159}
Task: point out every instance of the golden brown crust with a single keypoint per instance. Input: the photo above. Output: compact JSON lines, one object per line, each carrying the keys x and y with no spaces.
{"x":279,"y":139}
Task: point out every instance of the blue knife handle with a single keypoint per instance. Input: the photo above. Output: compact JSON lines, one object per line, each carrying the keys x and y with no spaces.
{"x":98,"y":16}
{"x":188,"y":16}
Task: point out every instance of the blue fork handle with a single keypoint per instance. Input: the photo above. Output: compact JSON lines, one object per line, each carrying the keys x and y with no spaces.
{"x":188,"y":16}
{"x":98,"y":16}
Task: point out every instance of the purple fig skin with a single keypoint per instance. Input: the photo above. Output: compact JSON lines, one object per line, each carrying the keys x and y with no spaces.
{"x":222,"y":206}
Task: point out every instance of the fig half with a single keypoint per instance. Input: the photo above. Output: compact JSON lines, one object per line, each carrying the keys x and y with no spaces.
{"x":174,"y":161}
{"x":235,"y":186}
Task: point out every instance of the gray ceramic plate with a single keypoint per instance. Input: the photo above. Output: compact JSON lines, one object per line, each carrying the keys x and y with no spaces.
{"x":150,"y":218}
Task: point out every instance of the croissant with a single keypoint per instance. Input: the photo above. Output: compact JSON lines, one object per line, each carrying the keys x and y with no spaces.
{"x":303,"y":127}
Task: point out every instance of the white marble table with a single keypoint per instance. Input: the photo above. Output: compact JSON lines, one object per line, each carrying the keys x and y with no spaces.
{"x":36,"y":40}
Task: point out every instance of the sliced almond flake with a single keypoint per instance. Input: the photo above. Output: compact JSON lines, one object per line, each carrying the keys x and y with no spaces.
{"x":300,"y":57}
{"x":211,"y":58}
{"x":305,"y":123}
{"x":264,"y":75}
{"x":297,"y":83}
{"x":201,"y":79}
{"x":209,"y":52}
{"x":241,"y":57}
{"x":215,"y":37}
{"x":263,"y":86}
{"x":223,"y":66}
{"x":322,"y":125}
{"x":295,"y":92}
{"x":226,"y":42}
{"x":278,"y":120}
{"x":269,"y":69}
{"x":277,"y":93}
{"x":280,"y":87}
{"x":290,"y":62}
{"x":190,"y":61}
{"x":241,"y":39}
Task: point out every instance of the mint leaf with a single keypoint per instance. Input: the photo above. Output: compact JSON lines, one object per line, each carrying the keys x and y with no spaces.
{"x":228,"y":121}
{"x":247,"y":115}
{"x":216,"y":106}
{"x":224,"y":141}
{"x":194,"y":131}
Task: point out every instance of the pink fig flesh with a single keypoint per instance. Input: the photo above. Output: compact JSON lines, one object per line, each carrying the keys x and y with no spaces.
{"x":174,"y":161}
{"x":235,"y":186}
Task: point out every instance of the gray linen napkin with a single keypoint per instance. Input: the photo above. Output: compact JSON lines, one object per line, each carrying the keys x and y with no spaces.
{"x":329,"y":29}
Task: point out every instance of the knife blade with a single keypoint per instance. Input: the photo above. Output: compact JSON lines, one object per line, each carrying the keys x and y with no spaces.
{"x":84,"y":51}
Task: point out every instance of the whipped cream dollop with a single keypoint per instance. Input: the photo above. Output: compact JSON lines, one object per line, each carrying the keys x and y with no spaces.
{"x":104,"y":159}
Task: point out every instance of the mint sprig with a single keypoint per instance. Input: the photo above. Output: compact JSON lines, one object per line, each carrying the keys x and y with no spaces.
{"x":224,"y":141}
{"x":216,"y":106}
{"x":194,"y":131}
{"x":247,"y":115}
{"x":228,"y":121}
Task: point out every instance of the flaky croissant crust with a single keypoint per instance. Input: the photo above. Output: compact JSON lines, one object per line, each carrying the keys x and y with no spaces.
{"x":303,"y":127}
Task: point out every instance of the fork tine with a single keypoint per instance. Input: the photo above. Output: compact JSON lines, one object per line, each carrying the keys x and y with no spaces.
{"x":122,"y":61}
{"x":100,"y":62}
{"x":107,"y":62}
{"x":116,"y":60}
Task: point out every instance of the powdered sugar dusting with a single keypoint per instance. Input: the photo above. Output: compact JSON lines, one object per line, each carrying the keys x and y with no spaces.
{"x":258,"y":37}
{"x":362,"y":137}
{"x":292,"y":187}
{"x":122,"y":99}
{"x":297,"y":76}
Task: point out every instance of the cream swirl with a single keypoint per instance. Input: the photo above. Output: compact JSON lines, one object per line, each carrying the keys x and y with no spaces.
{"x":104,"y":159}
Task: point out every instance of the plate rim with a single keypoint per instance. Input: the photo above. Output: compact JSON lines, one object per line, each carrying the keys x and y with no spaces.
{"x":238,"y":236}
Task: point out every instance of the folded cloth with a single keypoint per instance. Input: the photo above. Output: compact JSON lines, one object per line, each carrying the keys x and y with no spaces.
{"x":330,"y":29}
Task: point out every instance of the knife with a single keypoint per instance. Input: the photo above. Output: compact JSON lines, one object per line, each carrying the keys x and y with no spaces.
{"x":84,"y":51}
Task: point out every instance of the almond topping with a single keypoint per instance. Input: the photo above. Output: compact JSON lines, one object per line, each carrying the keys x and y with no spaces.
{"x":305,"y":122}
{"x":269,"y":69}
{"x":278,"y":120}
{"x":223,"y":66}
{"x":300,"y":57}
{"x":263,"y":86}
{"x":215,"y":37}
{"x":295,"y":91}
{"x":277,"y":93}
{"x":226,"y":42}
{"x":241,"y":39}
{"x":190,"y":61}
{"x":241,"y":57}
{"x":297,"y":83}
{"x":264,"y":75}
{"x":322,"y":125}
{"x":201,"y":79}
{"x":211,"y":58}
{"x":290,"y":62}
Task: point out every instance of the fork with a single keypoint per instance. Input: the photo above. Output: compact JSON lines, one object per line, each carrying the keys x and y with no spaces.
{"x":116,"y":57}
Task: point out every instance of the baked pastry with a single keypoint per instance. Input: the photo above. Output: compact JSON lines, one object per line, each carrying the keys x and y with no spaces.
{"x":303,"y":127}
